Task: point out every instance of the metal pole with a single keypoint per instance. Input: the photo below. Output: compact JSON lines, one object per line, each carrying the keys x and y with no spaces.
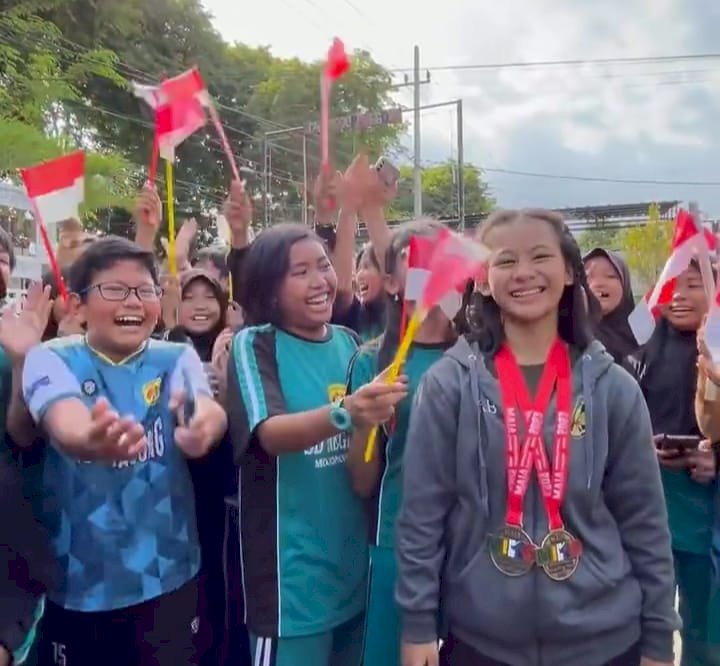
{"x":305,"y":180}
{"x":417,"y":173}
{"x":266,"y":180}
{"x":461,"y":167}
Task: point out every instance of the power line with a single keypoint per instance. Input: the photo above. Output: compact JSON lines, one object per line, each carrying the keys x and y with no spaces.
{"x":133,"y":73}
{"x":601,"y":179}
{"x":571,"y":63}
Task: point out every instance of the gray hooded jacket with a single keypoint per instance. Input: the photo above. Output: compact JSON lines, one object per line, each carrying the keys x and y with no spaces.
{"x":455,"y":495}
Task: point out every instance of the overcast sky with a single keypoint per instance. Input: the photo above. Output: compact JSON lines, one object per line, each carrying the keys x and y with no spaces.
{"x":649,"y":121}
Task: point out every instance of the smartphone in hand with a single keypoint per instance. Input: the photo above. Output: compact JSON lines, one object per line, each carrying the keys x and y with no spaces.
{"x":388,"y":172}
{"x":683,"y":444}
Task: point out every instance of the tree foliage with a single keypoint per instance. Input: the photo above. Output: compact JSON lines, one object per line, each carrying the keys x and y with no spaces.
{"x":440,"y":192}
{"x":646,"y":247}
{"x":598,"y":236}
{"x":65,"y":72}
{"x":37,"y":81}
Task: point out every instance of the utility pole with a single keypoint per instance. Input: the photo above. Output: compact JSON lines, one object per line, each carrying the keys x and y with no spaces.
{"x":417,"y":172}
{"x":461,"y":167}
{"x":267,"y":170}
{"x":460,"y":183}
{"x":305,"y":180}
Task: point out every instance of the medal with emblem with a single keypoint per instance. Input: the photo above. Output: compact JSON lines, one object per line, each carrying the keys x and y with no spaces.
{"x":512,"y":551}
{"x":560,"y":551}
{"x":559,"y":554}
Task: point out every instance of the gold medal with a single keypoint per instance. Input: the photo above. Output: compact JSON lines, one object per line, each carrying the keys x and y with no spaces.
{"x":559,"y":554}
{"x":512,"y":551}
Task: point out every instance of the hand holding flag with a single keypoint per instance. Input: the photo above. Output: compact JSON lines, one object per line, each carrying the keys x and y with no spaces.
{"x":451,"y":261}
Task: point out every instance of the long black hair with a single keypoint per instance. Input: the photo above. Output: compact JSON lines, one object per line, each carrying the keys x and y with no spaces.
{"x":577,"y":308}
{"x":390,"y":339}
{"x":372,"y":314}
{"x":264,"y":269}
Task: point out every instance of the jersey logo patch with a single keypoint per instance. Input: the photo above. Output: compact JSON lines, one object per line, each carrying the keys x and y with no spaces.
{"x":151,"y":392}
{"x":89,"y":387}
{"x":578,"y":423}
{"x":336,"y":392}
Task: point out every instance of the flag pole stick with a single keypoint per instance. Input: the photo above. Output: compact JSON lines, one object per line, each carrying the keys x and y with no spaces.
{"x":152,"y":170}
{"x":215,"y":116}
{"x":172,"y":256}
{"x":50,"y":251}
{"x":395,"y":367}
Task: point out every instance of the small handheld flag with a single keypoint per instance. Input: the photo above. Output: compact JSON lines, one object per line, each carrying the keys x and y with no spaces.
{"x":451,"y":261}
{"x":336,"y":65}
{"x":55,"y":189}
{"x":690,"y":241}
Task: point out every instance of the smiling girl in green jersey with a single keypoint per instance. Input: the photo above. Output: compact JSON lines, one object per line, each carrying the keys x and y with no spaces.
{"x":303,"y":530}
{"x":381,"y":478}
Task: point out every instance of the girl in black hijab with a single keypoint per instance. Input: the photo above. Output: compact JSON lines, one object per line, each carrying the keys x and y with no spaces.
{"x":609,"y":280}
{"x":201,"y":319}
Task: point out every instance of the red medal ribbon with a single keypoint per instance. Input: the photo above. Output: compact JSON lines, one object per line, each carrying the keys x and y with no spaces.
{"x":520,"y":462}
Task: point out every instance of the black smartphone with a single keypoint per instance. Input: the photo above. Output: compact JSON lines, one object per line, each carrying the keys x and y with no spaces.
{"x":680,"y":443}
{"x":189,"y":405}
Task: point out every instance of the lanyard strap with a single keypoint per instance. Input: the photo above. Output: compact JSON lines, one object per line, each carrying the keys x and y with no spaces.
{"x":520,"y":461}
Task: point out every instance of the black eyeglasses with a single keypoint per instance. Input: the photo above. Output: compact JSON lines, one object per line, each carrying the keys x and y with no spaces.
{"x":113,"y":291}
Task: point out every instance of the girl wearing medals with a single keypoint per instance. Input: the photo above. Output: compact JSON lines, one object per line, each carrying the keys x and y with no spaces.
{"x":532,"y":518}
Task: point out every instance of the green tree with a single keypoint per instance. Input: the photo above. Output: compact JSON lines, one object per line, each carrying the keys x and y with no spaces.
{"x":440,"y":196}
{"x":137,"y":40}
{"x":598,"y":236}
{"x":38,"y":74}
{"x":108,"y":177}
{"x":646,"y":247}
{"x":37,"y":80}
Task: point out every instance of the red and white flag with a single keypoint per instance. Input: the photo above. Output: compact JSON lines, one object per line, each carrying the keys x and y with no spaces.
{"x":188,"y":85}
{"x":180,"y":104}
{"x":177,"y":115}
{"x":56,"y":188}
{"x":438,"y":269}
{"x":690,"y":241}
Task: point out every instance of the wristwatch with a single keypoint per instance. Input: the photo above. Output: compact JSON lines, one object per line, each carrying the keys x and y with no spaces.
{"x":340,"y":417}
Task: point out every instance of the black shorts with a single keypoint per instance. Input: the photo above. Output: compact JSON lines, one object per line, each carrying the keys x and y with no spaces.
{"x":159,"y":632}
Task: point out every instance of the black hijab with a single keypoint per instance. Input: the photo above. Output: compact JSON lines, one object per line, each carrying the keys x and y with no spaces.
{"x":613,"y":329}
{"x":202,"y":342}
{"x":666,"y":368}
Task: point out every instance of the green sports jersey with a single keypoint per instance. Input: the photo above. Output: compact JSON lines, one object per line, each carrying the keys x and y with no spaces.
{"x":691,"y":509}
{"x":363,"y":369}
{"x":303,"y":530}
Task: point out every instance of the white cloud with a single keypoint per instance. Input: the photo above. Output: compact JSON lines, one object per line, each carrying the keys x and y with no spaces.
{"x":649,"y":121}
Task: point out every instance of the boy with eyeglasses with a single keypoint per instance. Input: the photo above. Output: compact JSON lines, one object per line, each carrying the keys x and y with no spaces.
{"x":121,"y":413}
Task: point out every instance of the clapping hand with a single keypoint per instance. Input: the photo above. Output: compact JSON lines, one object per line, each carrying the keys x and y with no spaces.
{"x":113,"y":437}
{"x":21,"y":330}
